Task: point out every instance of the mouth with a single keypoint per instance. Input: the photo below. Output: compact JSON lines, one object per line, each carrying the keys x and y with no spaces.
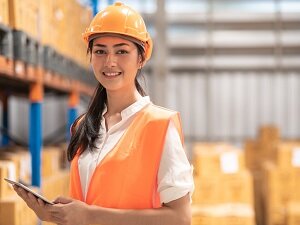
{"x":111,"y":74}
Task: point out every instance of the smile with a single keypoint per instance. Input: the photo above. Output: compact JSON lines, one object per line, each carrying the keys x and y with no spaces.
{"x":114,"y":74}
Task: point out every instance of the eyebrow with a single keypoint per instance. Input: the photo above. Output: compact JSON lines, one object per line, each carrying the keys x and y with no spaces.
{"x":116,"y":45}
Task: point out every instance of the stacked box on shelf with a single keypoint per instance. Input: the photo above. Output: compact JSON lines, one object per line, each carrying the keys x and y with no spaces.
{"x":85,"y":19}
{"x":23,"y":16}
{"x":281,"y":182}
{"x":257,"y":152}
{"x":293,"y":213}
{"x":7,"y":170}
{"x":17,"y":14}
{"x":14,"y":211}
{"x":261,"y":149}
{"x":222,"y":214}
{"x":4,"y":12}
{"x":14,"y":164}
{"x":222,"y":186}
{"x":31,"y":25}
{"x":59,"y":17}
{"x":48,"y":32}
{"x":51,"y":158}
{"x":56,"y":185}
{"x":25,"y":162}
{"x":62,"y":22}
{"x":15,"y":159}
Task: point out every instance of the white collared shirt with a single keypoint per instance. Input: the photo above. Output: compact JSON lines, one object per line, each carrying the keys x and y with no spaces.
{"x":175,"y":177}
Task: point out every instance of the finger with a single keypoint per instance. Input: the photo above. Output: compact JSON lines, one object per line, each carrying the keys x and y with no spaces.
{"x":62,"y":200}
{"x":32,"y":198}
{"x":22,"y":193}
{"x":41,"y":202}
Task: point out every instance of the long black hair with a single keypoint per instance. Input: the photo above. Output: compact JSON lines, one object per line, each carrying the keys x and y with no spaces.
{"x":85,"y":129}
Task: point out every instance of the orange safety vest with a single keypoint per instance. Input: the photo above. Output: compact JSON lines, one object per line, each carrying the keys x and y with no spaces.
{"x":127,"y":176}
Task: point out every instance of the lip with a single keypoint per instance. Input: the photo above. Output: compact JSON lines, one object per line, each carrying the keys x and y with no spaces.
{"x":111,"y":74}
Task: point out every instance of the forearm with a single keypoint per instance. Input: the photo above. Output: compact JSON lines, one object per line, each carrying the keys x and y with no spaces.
{"x":161,"y":216}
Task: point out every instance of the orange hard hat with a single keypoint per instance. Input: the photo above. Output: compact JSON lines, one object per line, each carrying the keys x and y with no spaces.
{"x":122,"y":20}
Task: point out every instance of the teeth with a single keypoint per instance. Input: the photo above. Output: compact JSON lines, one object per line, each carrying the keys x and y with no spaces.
{"x":111,"y":74}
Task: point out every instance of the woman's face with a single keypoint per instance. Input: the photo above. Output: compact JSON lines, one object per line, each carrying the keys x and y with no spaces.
{"x":115,"y":62}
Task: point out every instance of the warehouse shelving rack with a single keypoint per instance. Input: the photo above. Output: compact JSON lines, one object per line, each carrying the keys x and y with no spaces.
{"x":30,"y":69}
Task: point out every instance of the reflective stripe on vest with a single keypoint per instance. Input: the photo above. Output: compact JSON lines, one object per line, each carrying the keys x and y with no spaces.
{"x":127,"y":176}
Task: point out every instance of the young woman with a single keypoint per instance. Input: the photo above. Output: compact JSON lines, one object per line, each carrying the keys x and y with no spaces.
{"x":128,"y":165}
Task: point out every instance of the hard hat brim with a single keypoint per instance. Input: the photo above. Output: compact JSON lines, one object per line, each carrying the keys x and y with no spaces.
{"x":126,"y":37}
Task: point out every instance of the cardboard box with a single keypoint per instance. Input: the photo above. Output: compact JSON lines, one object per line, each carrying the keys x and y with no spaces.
{"x":56,"y":185}
{"x":217,"y":158}
{"x":206,"y":215}
{"x":7,"y":170}
{"x":15,"y":158}
{"x":4,"y":12}
{"x":207,"y":190}
{"x":25,"y":162}
{"x":269,"y":133}
{"x":224,"y":214}
{"x":293,"y":213}
{"x":51,"y":158}
{"x":238,"y":188}
{"x":17,"y":14}
{"x":252,"y":154}
{"x":14,"y":211}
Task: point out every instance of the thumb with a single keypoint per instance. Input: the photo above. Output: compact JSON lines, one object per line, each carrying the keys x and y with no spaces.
{"x":62,"y":200}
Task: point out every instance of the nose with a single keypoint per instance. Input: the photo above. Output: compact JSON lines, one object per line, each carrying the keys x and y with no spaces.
{"x":111,"y":60}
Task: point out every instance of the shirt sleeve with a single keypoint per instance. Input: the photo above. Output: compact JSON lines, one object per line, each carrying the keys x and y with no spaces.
{"x":175,"y":175}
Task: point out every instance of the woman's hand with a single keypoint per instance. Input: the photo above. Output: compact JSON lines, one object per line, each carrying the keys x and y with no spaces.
{"x":68,"y":211}
{"x":65,"y":211}
{"x":41,"y":209}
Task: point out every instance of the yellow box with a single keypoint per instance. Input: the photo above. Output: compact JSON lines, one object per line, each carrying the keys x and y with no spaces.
{"x":238,"y":188}
{"x":4,"y":12}
{"x":56,"y":185}
{"x":32,"y":24}
{"x":15,"y":158}
{"x":276,"y":215}
{"x":51,"y":158}
{"x":14,"y":211}
{"x":206,"y":158}
{"x":206,"y":215}
{"x":252,"y":154}
{"x":25,"y":162}
{"x":216,"y":158}
{"x":46,"y":24}
{"x":207,"y":190}
{"x":287,"y":155}
{"x":224,"y":214}
{"x":11,"y":211}
{"x":17,"y":14}
{"x":279,"y":185}
{"x":234,"y":220}
{"x":269,"y":133}
{"x":7,"y":170}
{"x":293,"y":213}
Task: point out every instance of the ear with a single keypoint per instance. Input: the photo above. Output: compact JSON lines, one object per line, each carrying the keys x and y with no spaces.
{"x":141,"y":63}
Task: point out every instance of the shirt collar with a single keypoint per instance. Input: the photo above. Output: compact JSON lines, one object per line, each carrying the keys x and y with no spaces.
{"x":133,"y":108}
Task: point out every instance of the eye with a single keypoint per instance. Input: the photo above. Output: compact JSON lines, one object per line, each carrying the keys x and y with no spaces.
{"x":122,"y":52}
{"x":99,"y":52}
